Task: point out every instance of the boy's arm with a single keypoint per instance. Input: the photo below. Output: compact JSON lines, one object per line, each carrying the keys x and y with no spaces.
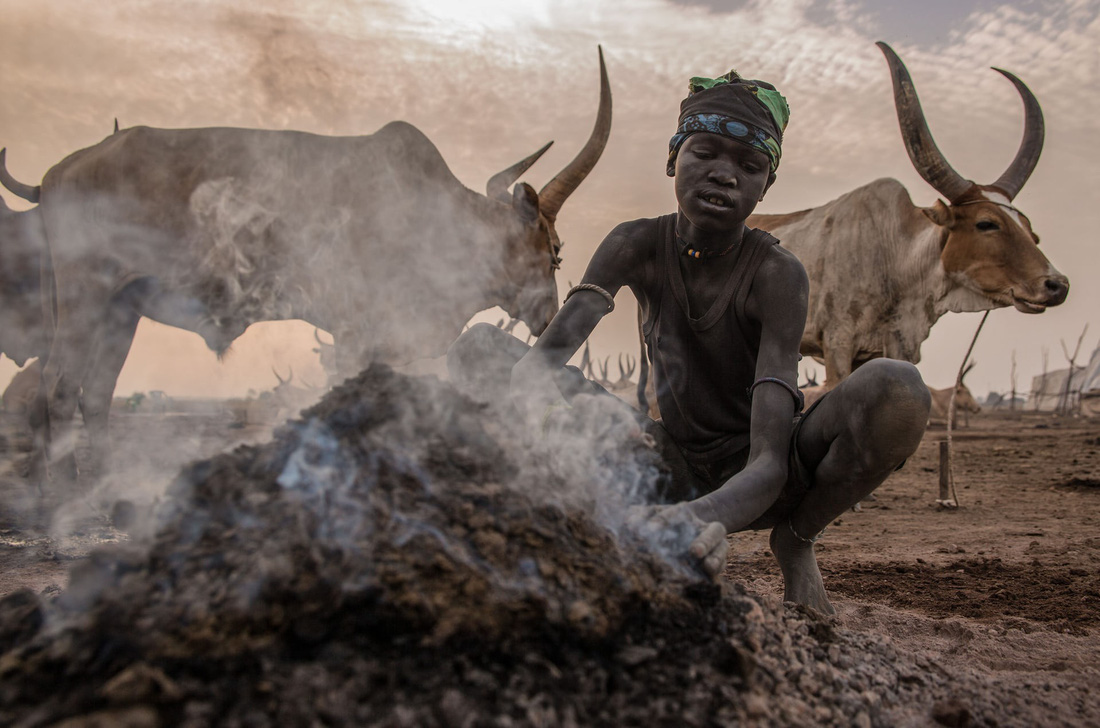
{"x":616,"y":262}
{"x":778,"y":300}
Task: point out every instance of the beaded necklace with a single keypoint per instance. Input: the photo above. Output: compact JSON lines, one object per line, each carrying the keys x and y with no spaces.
{"x":687,"y":249}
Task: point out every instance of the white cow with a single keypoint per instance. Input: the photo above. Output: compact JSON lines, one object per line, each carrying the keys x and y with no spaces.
{"x":882,"y":270}
{"x":369,"y":237}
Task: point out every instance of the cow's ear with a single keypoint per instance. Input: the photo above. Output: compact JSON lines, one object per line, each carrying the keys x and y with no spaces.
{"x":525,"y":201}
{"x":939,"y":213}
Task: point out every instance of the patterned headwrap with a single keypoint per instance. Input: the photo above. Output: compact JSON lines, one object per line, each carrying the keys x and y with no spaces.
{"x":751,"y":112}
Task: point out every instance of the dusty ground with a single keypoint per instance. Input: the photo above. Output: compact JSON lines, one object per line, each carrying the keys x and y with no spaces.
{"x":1001,"y":592}
{"x":150,"y":449}
{"x":1007,"y":585}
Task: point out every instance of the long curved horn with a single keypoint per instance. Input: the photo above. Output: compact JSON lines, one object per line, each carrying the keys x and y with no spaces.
{"x":1027,"y":156}
{"x":28,"y":193}
{"x":566,"y":181}
{"x":925,"y":155}
{"x":497,"y":186}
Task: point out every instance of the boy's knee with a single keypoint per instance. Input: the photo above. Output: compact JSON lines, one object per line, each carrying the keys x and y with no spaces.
{"x":895,"y":385}
{"x":894,"y":403}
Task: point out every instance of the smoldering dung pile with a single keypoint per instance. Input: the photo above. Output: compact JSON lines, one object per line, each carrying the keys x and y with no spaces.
{"x":387,"y":560}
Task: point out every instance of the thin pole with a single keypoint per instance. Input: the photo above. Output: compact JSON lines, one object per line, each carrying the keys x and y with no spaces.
{"x":953,"y":502}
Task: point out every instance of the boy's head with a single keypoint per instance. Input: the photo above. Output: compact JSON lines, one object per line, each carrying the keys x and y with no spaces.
{"x":749,"y":112}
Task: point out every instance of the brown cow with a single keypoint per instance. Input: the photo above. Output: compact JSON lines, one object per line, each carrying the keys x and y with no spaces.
{"x":941,"y":400}
{"x":883,"y":270}
{"x":371,"y":238}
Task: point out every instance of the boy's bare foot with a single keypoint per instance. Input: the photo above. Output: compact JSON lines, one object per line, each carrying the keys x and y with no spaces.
{"x":801,"y":578}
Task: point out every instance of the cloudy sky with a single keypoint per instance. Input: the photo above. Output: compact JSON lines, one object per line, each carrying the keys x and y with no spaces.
{"x":496,"y":79}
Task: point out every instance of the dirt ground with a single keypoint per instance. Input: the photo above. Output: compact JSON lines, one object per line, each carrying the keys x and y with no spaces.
{"x":150,"y":449}
{"x":1003,"y":590}
{"x":1007,"y":585}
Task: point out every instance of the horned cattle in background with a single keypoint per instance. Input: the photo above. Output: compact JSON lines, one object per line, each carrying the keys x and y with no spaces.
{"x":326,"y":352}
{"x":811,"y":390}
{"x":883,"y":270}
{"x":371,"y":238}
{"x":623,"y":387}
{"x":964,"y":400}
{"x":289,"y":398}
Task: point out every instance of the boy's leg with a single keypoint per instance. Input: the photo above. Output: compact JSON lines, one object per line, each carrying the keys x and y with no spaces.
{"x":850,"y":442}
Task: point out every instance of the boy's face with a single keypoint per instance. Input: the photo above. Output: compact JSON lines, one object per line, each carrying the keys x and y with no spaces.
{"x":719,"y":181}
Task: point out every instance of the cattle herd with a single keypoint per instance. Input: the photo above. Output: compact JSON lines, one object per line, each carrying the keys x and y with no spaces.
{"x":214,"y":229}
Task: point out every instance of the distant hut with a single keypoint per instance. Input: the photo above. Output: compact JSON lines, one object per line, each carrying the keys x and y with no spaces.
{"x":1061,"y":391}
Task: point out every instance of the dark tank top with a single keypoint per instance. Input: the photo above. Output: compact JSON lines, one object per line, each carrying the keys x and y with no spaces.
{"x":703,"y":367}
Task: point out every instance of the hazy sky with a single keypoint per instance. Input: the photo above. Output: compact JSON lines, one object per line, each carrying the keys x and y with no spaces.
{"x":490,"y":81}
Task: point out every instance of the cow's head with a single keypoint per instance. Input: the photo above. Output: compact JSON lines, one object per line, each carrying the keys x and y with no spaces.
{"x":286,"y":393}
{"x":964,"y":398}
{"x":326,"y":352}
{"x":533,"y":254}
{"x":23,"y":334}
{"x":989,"y":247}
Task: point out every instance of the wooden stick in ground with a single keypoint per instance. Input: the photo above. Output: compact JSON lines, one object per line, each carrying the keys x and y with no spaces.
{"x":1064,"y":406}
{"x":953,"y":500}
{"x":945,"y":474}
{"x":1012,"y":397}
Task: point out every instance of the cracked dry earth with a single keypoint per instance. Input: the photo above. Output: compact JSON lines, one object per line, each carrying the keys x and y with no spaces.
{"x":391,"y":559}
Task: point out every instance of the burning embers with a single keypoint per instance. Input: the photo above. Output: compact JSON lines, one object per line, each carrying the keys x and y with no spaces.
{"x":387,"y":513}
{"x":393,"y":558}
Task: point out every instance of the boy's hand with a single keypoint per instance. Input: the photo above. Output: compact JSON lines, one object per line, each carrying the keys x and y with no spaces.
{"x":670,"y":527}
{"x":711,"y":547}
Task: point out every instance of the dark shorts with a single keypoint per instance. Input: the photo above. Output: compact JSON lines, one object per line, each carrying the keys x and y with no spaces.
{"x":688,"y":480}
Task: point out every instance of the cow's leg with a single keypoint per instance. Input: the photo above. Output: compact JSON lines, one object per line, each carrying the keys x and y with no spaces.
{"x":39,"y":421}
{"x":61,"y":381}
{"x":70,"y":355}
{"x":852,"y":440}
{"x":111,"y":349}
{"x":838,"y":352}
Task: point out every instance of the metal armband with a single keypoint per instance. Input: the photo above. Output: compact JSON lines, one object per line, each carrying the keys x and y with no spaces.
{"x":593,"y":287}
{"x":799,"y":400}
